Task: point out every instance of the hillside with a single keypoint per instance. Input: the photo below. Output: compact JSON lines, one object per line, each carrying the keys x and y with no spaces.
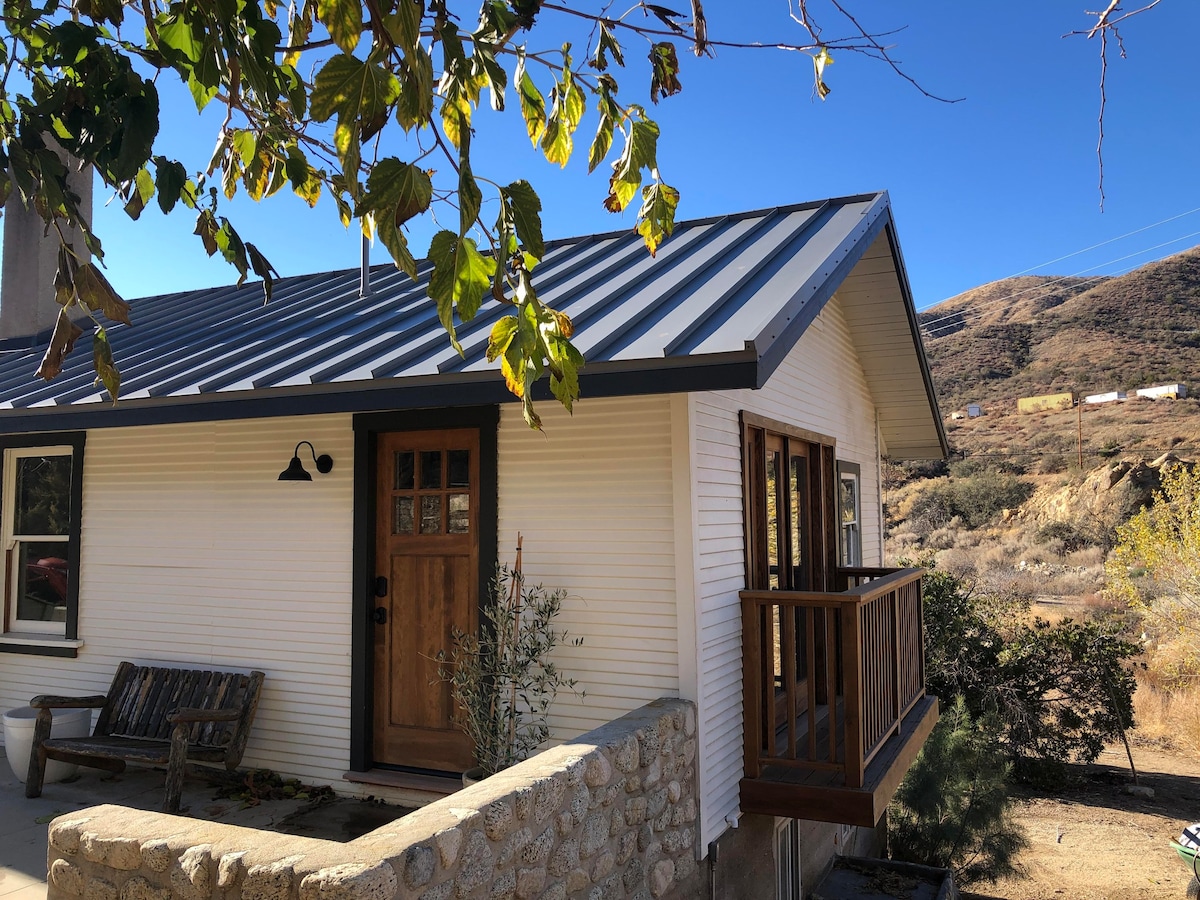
{"x":1038,"y":334}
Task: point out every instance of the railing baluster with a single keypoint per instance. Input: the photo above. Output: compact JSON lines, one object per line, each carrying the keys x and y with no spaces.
{"x":810,"y":676}
{"x":788,"y":651}
{"x":752,"y":685}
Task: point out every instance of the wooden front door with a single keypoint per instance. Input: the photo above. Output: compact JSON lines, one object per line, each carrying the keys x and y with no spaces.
{"x":427,"y":585}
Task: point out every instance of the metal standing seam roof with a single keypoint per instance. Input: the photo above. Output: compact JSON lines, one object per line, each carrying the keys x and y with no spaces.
{"x":719,"y":308}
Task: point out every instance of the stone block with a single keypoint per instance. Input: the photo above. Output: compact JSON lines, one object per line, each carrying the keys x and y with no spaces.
{"x":580,"y":803}
{"x":498,"y":819}
{"x":65,"y":834}
{"x":656,"y":802}
{"x":595,"y":834}
{"x":157,"y":855}
{"x":67,"y":877}
{"x":439,"y":892}
{"x":548,"y":796}
{"x":653,"y":773}
{"x":648,"y":746}
{"x":477,"y":866}
{"x":604,"y":864}
{"x":689,"y":720}
{"x":99,"y":889}
{"x":350,"y":881}
{"x":557,"y":891}
{"x":625,"y":758}
{"x":662,"y":876}
{"x":272,"y":881}
{"x":598,"y":771}
{"x":141,"y":889}
{"x":685,"y":868}
{"x":674,"y":841}
{"x":635,"y":811}
{"x":674,"y":791}
{"x":617,"y":825}
{"x":634,"y":875}
{"x":523,"y":802}
{"x":419,"y":865}
{"x":124,"y":854}
{"x":515,"y":843}
{"x":565,"y":858}
{"x":626,"y":847}
{"x":575,"y":768}
{"x":231,"y":867}
{"x":645,"y":837}
{"x":689,"y":751}
{"x":530,"y":882}
{"x":504,"y":886}
{"x":448,"y":841}
{"x":191,"y":877}
{"x":577,"y":880}
{"x":564,"y":824}
{"x":538,"y":850}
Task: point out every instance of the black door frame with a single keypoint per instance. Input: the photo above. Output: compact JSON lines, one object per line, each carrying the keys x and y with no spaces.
{"x":366,"y":427}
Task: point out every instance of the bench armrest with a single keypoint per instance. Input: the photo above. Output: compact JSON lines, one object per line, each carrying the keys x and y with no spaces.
{"x":49,"y":701}
{"x":185,"y":714}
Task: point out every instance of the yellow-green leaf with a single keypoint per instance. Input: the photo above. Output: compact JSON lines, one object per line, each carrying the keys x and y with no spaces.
{"x":344,"y":20}
{"x":656,"y":218}
{"x":102,"y":360}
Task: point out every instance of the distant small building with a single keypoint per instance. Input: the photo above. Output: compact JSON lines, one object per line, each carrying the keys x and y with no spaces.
{"x":1110,"y":397}
{"x":974,"y":411}
{"x":957,"y":415}
{"x":1045,"y":402}
{"x":1164,"y":392}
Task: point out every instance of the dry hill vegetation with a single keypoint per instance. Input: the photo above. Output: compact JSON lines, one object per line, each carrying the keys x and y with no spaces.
{"x":1028,"y":505}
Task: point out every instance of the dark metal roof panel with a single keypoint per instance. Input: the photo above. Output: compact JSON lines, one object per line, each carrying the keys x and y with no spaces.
{"x":716,"y":299}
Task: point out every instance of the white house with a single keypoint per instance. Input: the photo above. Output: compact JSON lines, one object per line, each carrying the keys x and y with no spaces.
{"x":740,"y":392}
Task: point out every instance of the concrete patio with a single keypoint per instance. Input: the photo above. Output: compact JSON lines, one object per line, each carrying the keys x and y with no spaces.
{"x":24,"y":822}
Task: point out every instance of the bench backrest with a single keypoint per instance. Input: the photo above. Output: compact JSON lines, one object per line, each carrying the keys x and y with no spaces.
{"x":141,"y":698}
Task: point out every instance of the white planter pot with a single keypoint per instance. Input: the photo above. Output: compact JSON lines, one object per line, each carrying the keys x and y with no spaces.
{"x":18,"y":739}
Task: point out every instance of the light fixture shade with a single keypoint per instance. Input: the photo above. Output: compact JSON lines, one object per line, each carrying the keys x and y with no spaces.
{"x":295,"y":471}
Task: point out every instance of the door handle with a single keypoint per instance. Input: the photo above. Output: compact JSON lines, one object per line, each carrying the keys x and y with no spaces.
{"x":381,"y":586}
{"x":380,"y":615}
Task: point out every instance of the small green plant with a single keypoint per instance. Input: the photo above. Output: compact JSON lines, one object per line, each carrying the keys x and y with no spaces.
{"x":953,"y":809}
{"x":502,"y":679}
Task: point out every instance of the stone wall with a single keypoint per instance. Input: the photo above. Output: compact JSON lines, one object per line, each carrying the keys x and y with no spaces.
{"x":610,"y":815}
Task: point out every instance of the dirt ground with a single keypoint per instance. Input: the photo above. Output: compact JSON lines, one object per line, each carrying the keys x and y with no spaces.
{"x":1093,"y":841}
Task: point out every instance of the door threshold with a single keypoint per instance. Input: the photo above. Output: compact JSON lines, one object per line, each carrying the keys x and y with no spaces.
{"x":408,"y":781}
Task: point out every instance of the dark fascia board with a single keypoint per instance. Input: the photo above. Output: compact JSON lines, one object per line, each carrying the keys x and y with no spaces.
{"x":914,"y":327}
{"x":780,"y":335}
{"x":712,"y":372}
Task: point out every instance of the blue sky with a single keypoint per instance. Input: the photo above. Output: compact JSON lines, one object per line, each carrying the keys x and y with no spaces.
{"x":1002,"y":182}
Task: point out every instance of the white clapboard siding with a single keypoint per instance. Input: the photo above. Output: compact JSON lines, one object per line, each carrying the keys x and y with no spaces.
{"x":820,"y":387}
{"x":193,"y":553}
{"x":592,"y":497}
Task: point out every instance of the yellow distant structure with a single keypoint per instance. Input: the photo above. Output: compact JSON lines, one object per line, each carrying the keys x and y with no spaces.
{"x":1045,"y":402}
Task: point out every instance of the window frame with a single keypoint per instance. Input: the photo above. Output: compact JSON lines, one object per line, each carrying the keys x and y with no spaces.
{"x":849,"y":470}
{"x":16,"y":638}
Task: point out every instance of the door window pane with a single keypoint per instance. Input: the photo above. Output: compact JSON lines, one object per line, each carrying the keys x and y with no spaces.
{"x":459,"y":464}
{"x":431,"y":469}
{"x":43,"y":495}
{"x":431,"y":514}
{"x":798,"y":476}
{"x":402,"y":515}
{"x":403,"y":480}
{"x":460,"y":514}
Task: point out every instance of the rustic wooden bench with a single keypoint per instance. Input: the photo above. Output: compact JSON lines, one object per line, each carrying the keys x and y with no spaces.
{"x":153,"y":716}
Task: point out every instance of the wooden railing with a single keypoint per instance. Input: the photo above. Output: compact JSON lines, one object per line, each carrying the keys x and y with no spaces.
{"x":828,"y":678}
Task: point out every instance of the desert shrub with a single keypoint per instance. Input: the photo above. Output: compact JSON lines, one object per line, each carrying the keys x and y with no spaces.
{"x":977,"y":499}
{"x":1052,"y":464}
{"x":953,"y":809}
{"x":1057,"y":691}
{"x":1063,"y":537}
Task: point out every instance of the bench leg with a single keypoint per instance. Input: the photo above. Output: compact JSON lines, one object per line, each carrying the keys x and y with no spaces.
{"x":37,"y":754}
{"x":175,"y":767}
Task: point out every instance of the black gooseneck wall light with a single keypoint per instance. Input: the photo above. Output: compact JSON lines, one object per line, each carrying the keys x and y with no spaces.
{"x":296,"y":471}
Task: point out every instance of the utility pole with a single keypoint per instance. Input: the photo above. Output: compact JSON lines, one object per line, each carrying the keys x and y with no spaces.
{"x":1079,"y":431}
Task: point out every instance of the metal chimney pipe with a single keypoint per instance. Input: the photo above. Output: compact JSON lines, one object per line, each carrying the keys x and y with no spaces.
{"x":364,"y":283}
{"x":27,"y":304}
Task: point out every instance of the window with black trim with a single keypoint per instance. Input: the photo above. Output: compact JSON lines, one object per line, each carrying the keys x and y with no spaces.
{"x":849,"y":513}
{"x":41,"y":488}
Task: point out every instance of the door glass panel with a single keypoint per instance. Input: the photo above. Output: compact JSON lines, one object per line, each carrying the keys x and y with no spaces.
{"x":402,"y":515}
{"x":459,"y":465}
{"x":431,"y":514}
{"x":772,"y":520}
{"x":403,"y":480}
{"x":431,"y":469}
{"x":460,"y":514}
{"x":798,"y":480}
{"x":43,"y":495}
